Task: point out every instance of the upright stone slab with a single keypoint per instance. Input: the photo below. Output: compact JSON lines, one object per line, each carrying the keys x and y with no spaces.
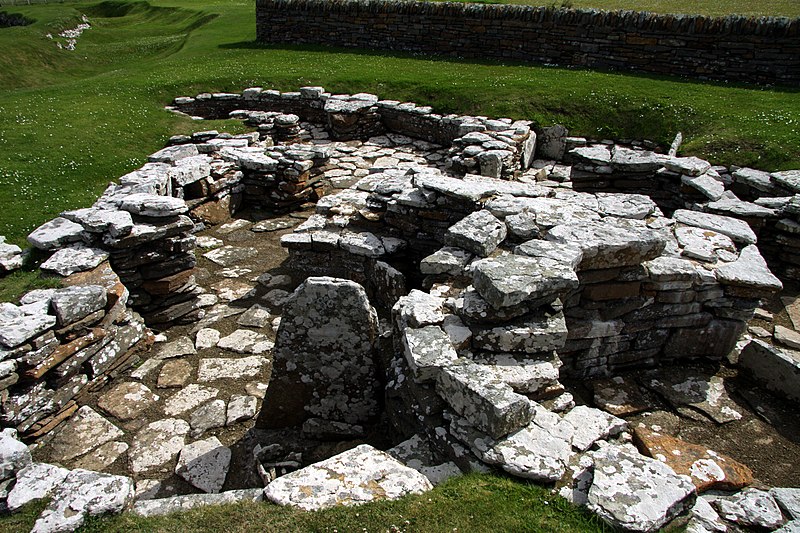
{"x":323,"y":363}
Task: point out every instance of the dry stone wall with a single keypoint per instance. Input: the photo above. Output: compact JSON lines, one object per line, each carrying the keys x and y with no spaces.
{"x":760,"y":50}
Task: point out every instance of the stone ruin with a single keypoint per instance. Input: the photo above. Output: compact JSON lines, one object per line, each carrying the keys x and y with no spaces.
{"x":446,"y":277}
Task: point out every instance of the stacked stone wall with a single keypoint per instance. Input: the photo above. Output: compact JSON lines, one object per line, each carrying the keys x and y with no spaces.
{"x":734,"y":48}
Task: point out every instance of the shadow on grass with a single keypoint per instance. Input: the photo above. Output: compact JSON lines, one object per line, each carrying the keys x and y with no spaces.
{"x":255,"y":45}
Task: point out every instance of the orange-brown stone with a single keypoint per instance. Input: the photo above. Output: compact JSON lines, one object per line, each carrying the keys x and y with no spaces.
{"x":102,"y":275}
{"x":708,"y":469}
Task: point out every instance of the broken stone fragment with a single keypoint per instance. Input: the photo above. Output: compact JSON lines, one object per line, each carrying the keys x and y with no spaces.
{"x":204,"y":464}
{"x":153,"y":205}
{"x":482,"y":399}
{"x":510,"y":280}
{"x":81,"y":494}
{"x":427,"y":351}
{"x":84,"y":432}
{"x":690,"y":392}
{"x":55,"y":233}
{"x":525,"y":376}
{"x":531,"y":334}
{"x":188,"y":398}
{"x":208,"y":416}
{"x":230,"y":368}
{"x":750,"y":508}
{"x":567,"y":254}
{"x":788,"y":499}
{"x":418,"y":309}
{"x":174,"y":504}
{"x":636,"y":493}
{"x":416,"y":453}
{"x":176,"y":373}
{"x":34,"y":482}
{"x":246,"y":341}
{"x":127,"y":401}
{"x":479,"y":233}
{"x":690,"y":166}
{"x":354,"y":477}
{"x":157,"y":444}
{"x":72,"y":304}
{"x":228,"y":256}
{"x":447,"y":260}
{"x":178,"y":348}
{"x":611,"y":242}
{"x":592,"y":425}
{"x":103,"y":456}
{"x":172,"y":154}
{"x":14,"y":454}
{"x":750,"y":271}
{"x":708,"y":469}
{"x":776,"y":369}
{"x":241,"y":408}
{"x":75,"y":258}
{"x":737,"y":230}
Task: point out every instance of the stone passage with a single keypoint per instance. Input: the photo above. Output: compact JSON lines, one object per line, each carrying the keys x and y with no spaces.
{"x":735,"y":48}
{"x":324,"y":373}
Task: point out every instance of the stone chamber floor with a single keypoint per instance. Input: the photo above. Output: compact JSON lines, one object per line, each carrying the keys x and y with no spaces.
{"x":207,"y":381}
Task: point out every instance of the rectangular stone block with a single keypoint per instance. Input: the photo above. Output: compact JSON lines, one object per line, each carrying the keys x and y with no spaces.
{"x":427,"y":350}
{"x":529,"y":335}
{"x":485,"y":401}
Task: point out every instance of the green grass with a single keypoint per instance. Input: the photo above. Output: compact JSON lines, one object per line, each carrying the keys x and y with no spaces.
{"x":474,"y":503}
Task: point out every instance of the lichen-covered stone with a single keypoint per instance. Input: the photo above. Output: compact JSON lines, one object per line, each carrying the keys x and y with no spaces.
{"x":509,"y":280}
{"x":14,"y":454}
{"x":323,"y":355}
{"x":34,"y":482}
{"x":204,"y":464}
{"x":55,"y":233}
{"x":610,"y":243}
{"x":737,"y":230}
{"x":708,"y":469}
{"x":479,"y":233}
{"x":71,"y":304}
{"x":84,"y":493}
{"x":532,"y":334}
{"x":427,"y":351}
{"x":157,"y":444}
{"x":174,"y":504}
{"x":636,"y":493}
{"x":354,"y":477}
{"x":482,"y":399}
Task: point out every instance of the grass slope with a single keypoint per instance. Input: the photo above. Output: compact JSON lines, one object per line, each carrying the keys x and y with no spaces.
{"x":475,"y":503}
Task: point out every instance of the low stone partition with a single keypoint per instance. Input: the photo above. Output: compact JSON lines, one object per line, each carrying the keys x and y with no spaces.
{"x":60,"y":344}
{"x":490,"y":147}
{"x":641,"y":294}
